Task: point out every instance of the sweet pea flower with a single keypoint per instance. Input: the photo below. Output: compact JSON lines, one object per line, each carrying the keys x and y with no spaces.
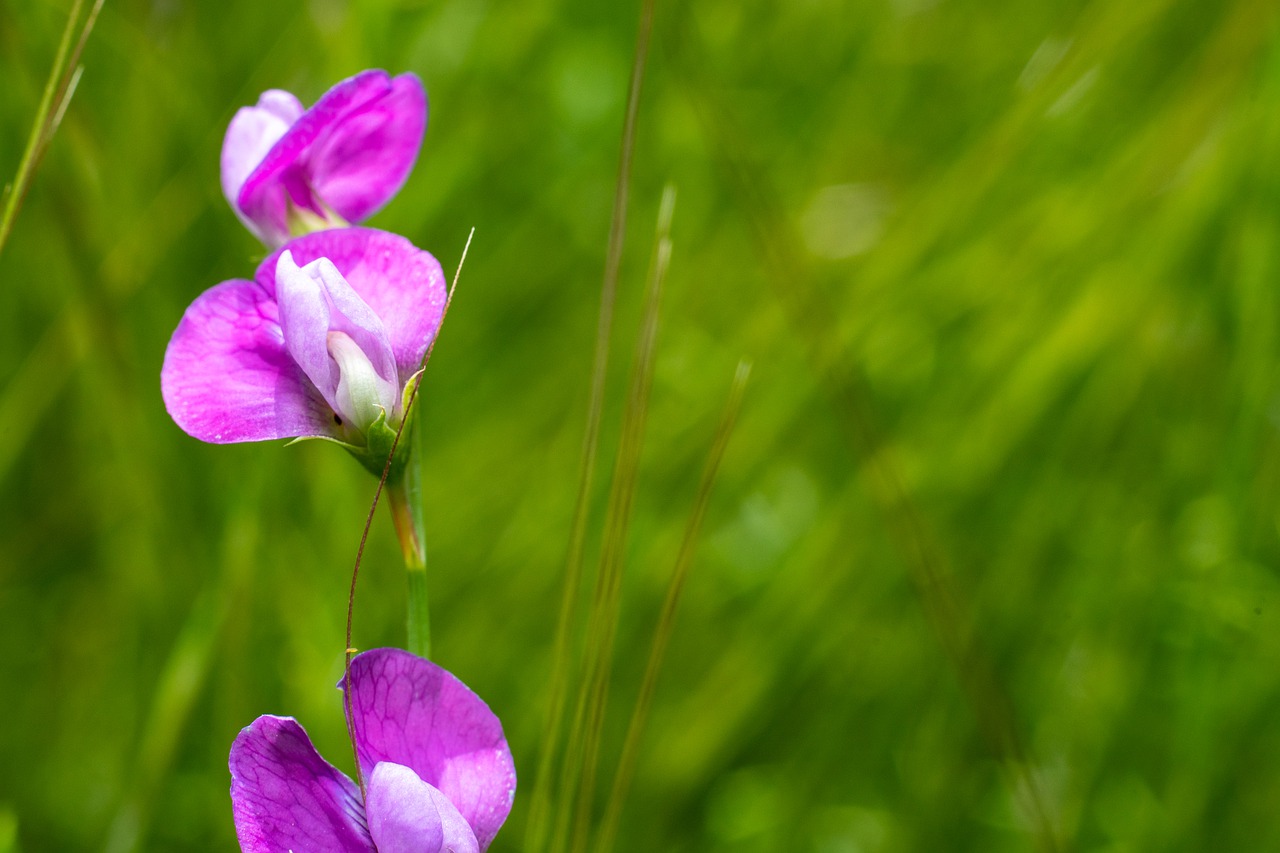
{"x":288,"y":171}
{"x":438,"y":774}
{"x":322,"y":343}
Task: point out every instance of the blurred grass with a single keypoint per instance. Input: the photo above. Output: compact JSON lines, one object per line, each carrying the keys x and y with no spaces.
{"x":1043,"y":234}
{"x":58,"y":89}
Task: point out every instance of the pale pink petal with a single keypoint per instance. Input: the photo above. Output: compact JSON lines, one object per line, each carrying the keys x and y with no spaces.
{"x":252,"y":133}
{"x":316,"y":301}
{"x":352,"y":315}
{"x":305,"y":321}
{"x":406,"y":815}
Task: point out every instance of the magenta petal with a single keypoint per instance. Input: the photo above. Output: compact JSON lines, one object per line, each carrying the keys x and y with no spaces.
{"x":406,"y":815}
{"x":226,"y":374}
{"x":351,"y":153}
{"x":403,"y":285}
{"x":285,"y":797}
{"x":366,"y":157}
{"x":408,"y":711}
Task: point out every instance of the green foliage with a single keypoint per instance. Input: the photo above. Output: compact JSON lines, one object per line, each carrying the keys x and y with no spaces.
{"x":1008,"y":278}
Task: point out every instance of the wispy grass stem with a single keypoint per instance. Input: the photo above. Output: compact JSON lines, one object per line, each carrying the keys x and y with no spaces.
{"x":667,"y":618}
{"x":538,"y":828}
{"x":574,"y":819}
{"x":58,"y":89}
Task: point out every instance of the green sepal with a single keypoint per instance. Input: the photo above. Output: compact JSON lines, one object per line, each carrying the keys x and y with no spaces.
{"x":380,"y":437}
{"x":407,"y":395}
{"x":352,"y":448}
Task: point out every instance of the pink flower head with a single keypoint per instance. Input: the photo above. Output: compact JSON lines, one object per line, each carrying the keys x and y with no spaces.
{"x":438,"y":773}
{"x":288,"y":171}
{"x":321,"y":343}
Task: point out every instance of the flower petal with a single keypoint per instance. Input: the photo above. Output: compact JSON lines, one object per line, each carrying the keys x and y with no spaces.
{"x":227,"y":376}
{"x":372,"y":120}
{"x":353,"y":316}
{"x":406,"y":815}
{"x":403,"y":285}
{"x":336,"y":339}
{"x":366,"y":157}
{"x":304,"y":321}
{"x":407,"y":710}
{"x":252,"y":133}
{"x":285,"y":797}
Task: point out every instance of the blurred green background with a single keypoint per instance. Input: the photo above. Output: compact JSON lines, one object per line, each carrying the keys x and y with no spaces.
{"x":1010,"y":278}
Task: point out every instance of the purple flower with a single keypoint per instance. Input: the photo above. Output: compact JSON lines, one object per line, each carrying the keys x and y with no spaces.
{"x":438,"y":774}
{"x":322,"y":343}
{"x":288,"y":171}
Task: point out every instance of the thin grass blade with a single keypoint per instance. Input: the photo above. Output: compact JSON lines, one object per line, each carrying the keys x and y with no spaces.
{"x":58,"y":89}
{"x":536,"y":835}
{"x":584,"y":739}
{"x":667,"y":618}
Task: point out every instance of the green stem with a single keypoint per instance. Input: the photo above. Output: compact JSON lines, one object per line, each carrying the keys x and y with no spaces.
{"x":404,"y":497}
{"x":419,"y":614}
